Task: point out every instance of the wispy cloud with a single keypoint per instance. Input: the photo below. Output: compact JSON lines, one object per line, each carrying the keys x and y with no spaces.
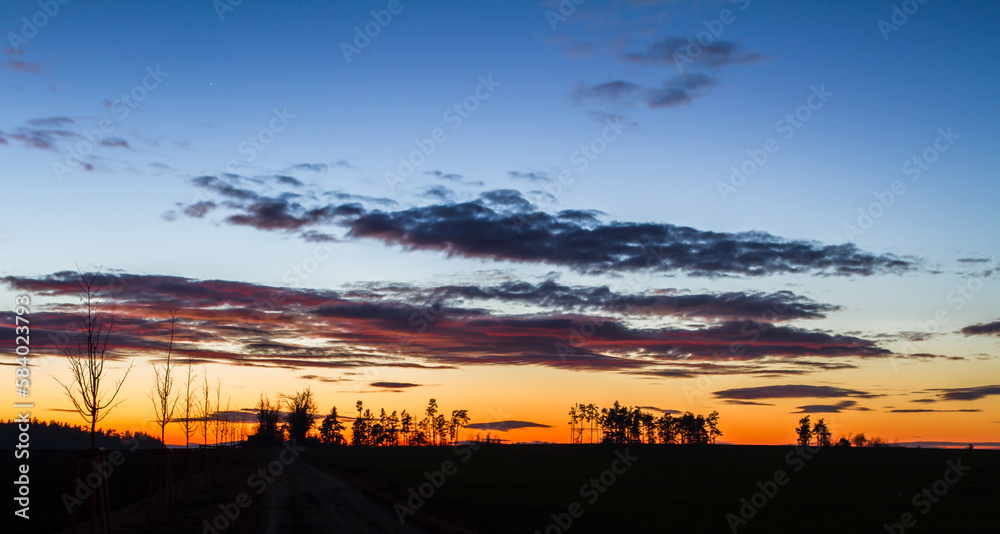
{"x":503,"y":225}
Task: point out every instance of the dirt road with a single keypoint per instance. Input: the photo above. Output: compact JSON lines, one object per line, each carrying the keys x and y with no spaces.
{"x":306,"y":499}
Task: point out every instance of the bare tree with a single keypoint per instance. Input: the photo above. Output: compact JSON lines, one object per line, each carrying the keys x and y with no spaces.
{"x":163,"y":385}
{"x":205,"y":409}
{"x":217,"y":420}
{"x":189,"y":405}
{"x":87,"y":359}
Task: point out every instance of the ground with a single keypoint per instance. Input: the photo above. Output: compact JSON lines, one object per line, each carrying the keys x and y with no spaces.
{"x":550,"y":489}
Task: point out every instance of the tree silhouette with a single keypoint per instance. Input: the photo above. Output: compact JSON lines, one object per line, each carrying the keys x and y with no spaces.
{"x":205,"y":408}
{"x":392,"y":427}
{"x":667,"y":428}
{"x":359,"y":429}
{"x":163,"y":385}
{"x":859,"y":440}
{"x":217,"y":419}
{"x":268,"y":430}
{"x":331,"y":432}
{"x":87,"y":359}
{"x":822,"y":433}
{"x":573,"y":419}
{"x":301,"y":414}
{"x":804,"y":431}
{"x":459,"y":418}
{"x":188,"y":405}
{"x":432,"y":409}
{"x":713,"y":426}
{"x":406,"y":425}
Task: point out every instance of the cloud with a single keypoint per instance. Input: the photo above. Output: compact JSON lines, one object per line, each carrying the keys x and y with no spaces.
{"x":43,"y":133}
{"x":923,"y":410}
{"x":679,"y":90}
{"x":394,"y":385}
{"x":115,"y":142}
{"x":199,"y":209}
{"x":22,"y":66}
{"x":746,"y":402}
{"x":682,"y":52}
{"x":314,"y":167}
{"x":445,"y":176}
{"x":287,"y":180}
{"x":324,"y":379}
{"x":790,"y":391}
{"x":983,"y":329}
{"x":660,"y":410}
{"x":966,"y":394}
{"x":766,"y":307}
{"x":691,"y":60}
{"x":504,"y":426}
{"x":831,"y":408}
{"x":51,"y":122}
{"x":530,"y":176}
{"x":615,"y":90}
{"x":503,"y":225}
{"x":252,"y":325}
{"x":439,"y":193}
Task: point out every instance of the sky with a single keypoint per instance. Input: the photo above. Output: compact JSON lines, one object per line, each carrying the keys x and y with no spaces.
{"x":764,"y":209}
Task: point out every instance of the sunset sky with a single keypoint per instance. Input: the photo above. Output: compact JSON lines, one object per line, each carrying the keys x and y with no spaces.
{"x":513,"y":207}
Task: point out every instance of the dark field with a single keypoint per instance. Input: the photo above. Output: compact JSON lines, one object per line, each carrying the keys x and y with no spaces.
{"x":516,"y":488}
{"x":53,"y":475}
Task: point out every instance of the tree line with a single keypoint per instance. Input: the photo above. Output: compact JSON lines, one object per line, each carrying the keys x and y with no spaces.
{"x":626,"y":424}
{"x":819,"y":434}
{"x":368,"y":430}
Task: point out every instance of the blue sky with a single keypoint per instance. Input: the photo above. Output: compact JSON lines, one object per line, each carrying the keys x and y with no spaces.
{"x":225,"y":78}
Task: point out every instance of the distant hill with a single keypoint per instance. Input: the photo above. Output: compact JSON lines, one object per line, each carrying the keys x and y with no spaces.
{"x":56,"y":435}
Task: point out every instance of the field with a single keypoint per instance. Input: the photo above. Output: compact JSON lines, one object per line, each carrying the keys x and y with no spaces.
{"x":558,"y":488}
{"x":517,"y":488}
